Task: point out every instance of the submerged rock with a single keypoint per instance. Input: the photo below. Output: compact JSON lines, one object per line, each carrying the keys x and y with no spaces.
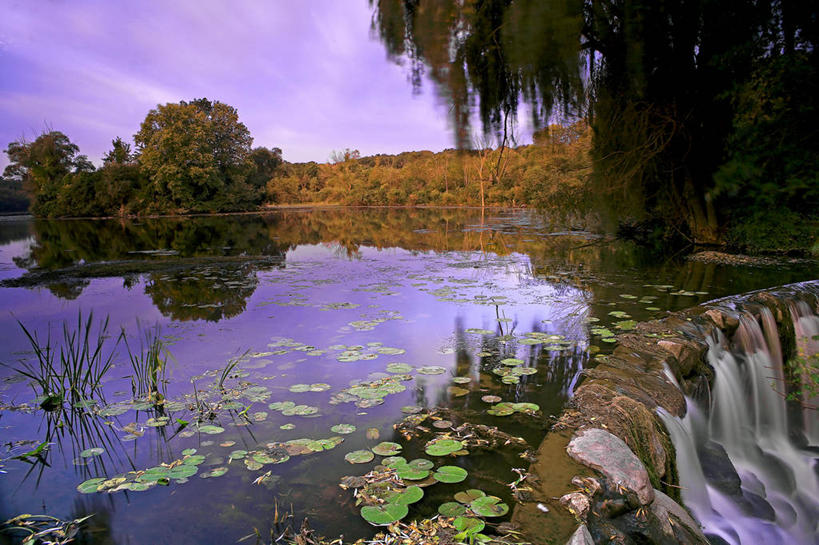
{"x":608,"y":454}
{"x":718,"y":468}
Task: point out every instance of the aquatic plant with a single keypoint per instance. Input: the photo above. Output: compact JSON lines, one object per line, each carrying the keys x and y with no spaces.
{"x":148,"y":364}
{"x":72,"y":372}
{"x":43,"y":529}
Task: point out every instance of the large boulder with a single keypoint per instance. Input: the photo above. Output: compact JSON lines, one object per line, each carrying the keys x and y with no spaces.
{"x":610,"y":455}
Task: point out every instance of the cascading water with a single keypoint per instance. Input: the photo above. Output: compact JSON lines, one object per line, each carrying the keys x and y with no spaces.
{"x":747,"y":465}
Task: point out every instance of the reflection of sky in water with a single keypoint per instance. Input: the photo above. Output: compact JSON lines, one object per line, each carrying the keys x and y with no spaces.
{"x":419,"y":300}
{"x":430,"y":300}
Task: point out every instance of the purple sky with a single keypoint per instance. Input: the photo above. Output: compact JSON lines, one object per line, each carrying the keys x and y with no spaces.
{"x":305,"y":76}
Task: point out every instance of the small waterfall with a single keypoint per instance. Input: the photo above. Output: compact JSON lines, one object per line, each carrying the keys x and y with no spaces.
{"x":748,"y":464}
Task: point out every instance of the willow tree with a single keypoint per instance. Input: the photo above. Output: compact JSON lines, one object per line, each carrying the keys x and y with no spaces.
{"x":658,"y":81}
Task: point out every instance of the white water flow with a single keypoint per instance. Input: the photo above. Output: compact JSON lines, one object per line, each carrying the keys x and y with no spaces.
{"x":775,"y":457}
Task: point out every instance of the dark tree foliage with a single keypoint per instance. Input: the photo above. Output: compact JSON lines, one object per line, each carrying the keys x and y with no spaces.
{"x":675,"y":91}
{"x":42,"y":167}
{"x":195,"y":155}
{"x":265,"y":164}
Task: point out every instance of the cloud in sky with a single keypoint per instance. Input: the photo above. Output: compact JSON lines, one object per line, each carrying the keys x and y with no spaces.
{"x":305,"y":76}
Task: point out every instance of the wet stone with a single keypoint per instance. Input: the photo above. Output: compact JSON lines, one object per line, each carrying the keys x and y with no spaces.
{"x":608,"y":454}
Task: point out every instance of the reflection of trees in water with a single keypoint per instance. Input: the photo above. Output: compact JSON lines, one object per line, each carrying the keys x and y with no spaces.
{"x":206,"y":294}
{"x":97,"y":530}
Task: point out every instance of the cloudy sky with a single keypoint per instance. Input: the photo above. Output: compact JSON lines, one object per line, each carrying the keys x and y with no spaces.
{"x":305,"y":75}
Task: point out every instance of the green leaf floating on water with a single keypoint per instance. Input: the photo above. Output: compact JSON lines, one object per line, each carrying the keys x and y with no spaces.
{"x":451,"y":509}
{"x":479,"y":331}
{"x":90,"y":486}
{"x":470,"y":525}
{"x":359,"y":456}
{"x":343,"y":428}
{"x":468,"y":496}
{"x":421,"y":463}
{"x":210,"y":429}
{"x":387,"y":448}
{"x":512,"y":361}
{"x":215,"y":472}
{"x":506,"y":408}
{"x":188,"y":451}
{"x":407,"y":496}
{"x":183,"y":471}
{"x":194,"y":459}
{"x":489,"y":506}
{"x":382,"y":515}
{"x":443,"y":447}
{"x":409,"y":473}
{"x":157,"y":422}
{"x":90,"y":452}
{"x":431,"y":370}
{"x":399,"y":368}
{"x":394,"y":461}
{"x":450,"y":474}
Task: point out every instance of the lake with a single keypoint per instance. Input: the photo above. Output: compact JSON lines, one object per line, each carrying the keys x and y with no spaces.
{"x":296,"y":337}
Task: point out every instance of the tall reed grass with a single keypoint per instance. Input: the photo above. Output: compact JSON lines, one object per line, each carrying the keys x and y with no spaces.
{"x":74,"y":371}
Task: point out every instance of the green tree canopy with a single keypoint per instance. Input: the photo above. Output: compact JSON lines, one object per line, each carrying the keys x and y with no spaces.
{"x":42,"y":166}
{"x":196,"y":156}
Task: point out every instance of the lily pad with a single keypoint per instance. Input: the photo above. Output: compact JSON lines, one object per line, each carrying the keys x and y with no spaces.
{"x":215,"y":472}
{"x":382,"y":515}
{"x":359,"y":456}
{"x":90,"y":452}
{"x":210,"y":429}
{"x":470,"y":525}
{"x":157,"y":422}
{"x":343,"y":428}
{"x":450,"y":474}
{"x":512,"y":361}
{"x":407,"y":496}
{"x":431,"y":370}
{"x":443,"y":447}
{"x":421,"y":463}
{"x":90,"y":486}
{"x":451,"y":509}
{"x":468,"y":496}
{"x":489,"y":506}
{"x":399,"y":368}
{"x":387,"y":448}
{"x":491,"y":399}
{"x":412,"y":474}
{"x":183,"y":471}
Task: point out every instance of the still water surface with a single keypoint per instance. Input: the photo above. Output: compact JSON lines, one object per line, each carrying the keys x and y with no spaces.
{"x":325,"y":298}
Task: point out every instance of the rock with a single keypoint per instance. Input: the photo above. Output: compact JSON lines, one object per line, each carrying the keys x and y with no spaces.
{"x":577,"y":503}
{"x":688,"y":354}
{"x":664,"y":507}
{"x":608,"y":454}
{"x":755,"y":505}
{"x":723,"y":320}
{"x":581,"y":536}
{"x":718,"y":468}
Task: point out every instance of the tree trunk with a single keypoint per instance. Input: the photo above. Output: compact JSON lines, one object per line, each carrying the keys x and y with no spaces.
{"x":702,"y":217}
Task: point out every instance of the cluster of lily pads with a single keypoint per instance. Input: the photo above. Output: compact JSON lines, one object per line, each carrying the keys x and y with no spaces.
{"x":138,"y":481}
{"x":512,"y":370}
{"x":506,"y":408}
{"x":290,"y":408}
{"x":372,"y":393}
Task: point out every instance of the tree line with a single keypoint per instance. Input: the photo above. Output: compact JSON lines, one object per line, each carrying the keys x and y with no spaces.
{"x":195,"y":157}
{"x":190,"y":157}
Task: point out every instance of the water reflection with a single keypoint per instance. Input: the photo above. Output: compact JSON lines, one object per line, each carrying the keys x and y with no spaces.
{"x":451,"y":289}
